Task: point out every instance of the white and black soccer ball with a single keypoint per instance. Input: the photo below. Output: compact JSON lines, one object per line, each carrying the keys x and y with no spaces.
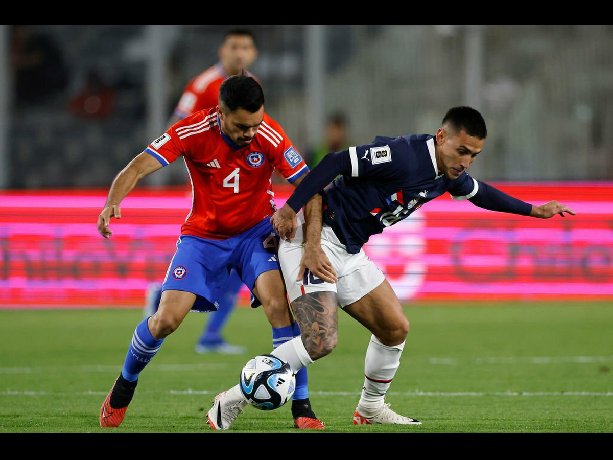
{"x":267,"y":382}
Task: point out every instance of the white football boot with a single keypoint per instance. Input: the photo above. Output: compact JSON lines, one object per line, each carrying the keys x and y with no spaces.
{"x":226,"y":408}
{"x":386,"y":416}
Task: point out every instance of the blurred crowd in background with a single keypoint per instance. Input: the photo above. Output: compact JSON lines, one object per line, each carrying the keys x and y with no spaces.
{"x":80,"y":97}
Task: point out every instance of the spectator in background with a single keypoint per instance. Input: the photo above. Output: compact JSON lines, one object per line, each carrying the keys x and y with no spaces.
{"x":95,"y":99}
{"x":39,"y":70}
{"x":335,"y":138}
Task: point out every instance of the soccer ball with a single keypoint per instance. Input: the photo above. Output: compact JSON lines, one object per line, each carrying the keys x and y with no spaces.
{"x":267,"y":382}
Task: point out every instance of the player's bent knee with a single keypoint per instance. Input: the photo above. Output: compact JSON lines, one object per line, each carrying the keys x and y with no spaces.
{"x":318,"y":347}
{"x":395,"y":335}
{"x":277,"y":312}
{"x":163,"y":324}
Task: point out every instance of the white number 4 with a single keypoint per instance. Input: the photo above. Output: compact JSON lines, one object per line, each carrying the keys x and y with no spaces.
{"x":232,"y":180}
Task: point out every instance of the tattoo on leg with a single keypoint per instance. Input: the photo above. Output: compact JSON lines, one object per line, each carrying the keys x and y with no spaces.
{"x":317,"y":316}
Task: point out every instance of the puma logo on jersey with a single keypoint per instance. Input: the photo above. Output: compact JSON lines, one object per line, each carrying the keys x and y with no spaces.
{"x":214,"y":164}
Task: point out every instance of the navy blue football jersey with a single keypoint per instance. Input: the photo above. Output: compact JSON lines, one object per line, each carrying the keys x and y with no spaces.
{"x":387,"y":181}
{"x":382,"y":183}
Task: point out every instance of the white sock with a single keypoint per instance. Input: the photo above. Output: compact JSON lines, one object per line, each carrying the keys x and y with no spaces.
{"x":236,"y":394}
{"x":294,"y":353}
{"x":380,"y":366}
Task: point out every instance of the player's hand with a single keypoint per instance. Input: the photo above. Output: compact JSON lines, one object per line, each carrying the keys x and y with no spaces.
{"x":105,"y":217}
{"x":284,"y":222}
{"x":547,"y":210}
{"x":316,"y":260}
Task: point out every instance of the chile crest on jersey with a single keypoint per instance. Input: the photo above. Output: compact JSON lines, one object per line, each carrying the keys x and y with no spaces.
{"x":255,"y":159}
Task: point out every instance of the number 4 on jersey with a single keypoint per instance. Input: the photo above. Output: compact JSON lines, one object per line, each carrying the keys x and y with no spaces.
{"x":232,"y":179}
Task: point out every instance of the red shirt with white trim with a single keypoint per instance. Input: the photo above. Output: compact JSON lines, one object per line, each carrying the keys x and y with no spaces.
{"x":231,"y":185}
{"x":202,"y":91}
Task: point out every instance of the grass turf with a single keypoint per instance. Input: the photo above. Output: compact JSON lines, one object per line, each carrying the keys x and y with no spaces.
{"x":470,"y":369}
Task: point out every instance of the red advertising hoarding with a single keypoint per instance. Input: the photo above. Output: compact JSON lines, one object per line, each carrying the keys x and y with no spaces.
{"x":52,"y":256}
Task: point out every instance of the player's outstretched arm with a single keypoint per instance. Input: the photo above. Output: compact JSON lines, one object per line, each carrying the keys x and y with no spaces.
{"x":550,"y":209}
{"x":489,"y":197}
{"x":142,"y":165}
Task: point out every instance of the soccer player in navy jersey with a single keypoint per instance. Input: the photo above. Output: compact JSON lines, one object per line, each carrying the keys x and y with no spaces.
{"x":324,"y":265}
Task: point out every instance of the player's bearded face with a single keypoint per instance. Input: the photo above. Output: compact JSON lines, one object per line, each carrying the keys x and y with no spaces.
{"x":241,"y":126}
{"x":456,"y":151}
{"x":237,"y":53}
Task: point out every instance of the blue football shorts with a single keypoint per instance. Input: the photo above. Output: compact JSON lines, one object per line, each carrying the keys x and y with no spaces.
{"x":202,"y":266}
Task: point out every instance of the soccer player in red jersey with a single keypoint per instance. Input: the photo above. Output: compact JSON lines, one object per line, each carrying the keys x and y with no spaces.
{"x":230,"y":153}
{"x":236,"y":54}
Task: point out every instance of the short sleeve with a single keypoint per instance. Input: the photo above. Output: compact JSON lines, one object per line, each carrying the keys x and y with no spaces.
{"x":193,"y":100}
{"x":383,"y":159}
{"x":168,"y":147}
{"x":187,"y":103}
{"x":285,"y":157}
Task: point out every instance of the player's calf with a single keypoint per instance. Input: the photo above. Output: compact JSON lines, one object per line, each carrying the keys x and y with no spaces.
{"x":317,"y":315}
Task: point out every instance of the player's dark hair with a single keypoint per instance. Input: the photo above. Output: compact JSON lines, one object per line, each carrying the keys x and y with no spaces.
{"x":241,"y":91}
{"x":241,"y":33}
{"x":467,"y":119}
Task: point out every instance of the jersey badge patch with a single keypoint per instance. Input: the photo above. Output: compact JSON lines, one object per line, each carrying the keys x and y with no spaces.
{"x":255,"y":159}
{"x":160,"y":141}
{"x":380,"y":155}
{"x":179,"y":272}
{"x":292,"y":157}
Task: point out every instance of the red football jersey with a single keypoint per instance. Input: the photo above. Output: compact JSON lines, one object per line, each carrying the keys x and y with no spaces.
{"x":202,"y":91}
{"x":231,"y":186}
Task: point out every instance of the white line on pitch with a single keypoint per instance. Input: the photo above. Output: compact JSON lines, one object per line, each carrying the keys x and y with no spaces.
{"x":445,"y":394}
{"x":523,"y":360}
{"x":103,"y":368}
{"x":190,"y":391}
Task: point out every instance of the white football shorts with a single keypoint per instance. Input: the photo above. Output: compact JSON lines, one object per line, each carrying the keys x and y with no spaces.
{"x":356,"y":274}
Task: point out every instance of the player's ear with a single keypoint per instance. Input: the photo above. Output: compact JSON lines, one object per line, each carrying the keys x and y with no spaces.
{"x":441,"y":135}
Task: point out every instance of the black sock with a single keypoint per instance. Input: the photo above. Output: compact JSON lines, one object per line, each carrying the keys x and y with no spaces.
{"x":122,"y":392}
{"x":302,"y":408}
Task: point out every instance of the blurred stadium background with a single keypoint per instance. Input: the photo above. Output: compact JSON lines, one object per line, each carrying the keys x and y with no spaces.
{"x":546,"y":93}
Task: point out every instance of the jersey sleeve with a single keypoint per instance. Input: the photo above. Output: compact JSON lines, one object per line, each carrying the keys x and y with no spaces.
{"x":168,"y":147}
{"x":354,"y":162}
{"x":464,"y":187}
{"x":187,"y":102}
{"x":486,"y":196}
{"x":285,"y":157}
{"x":383,"y":159}
{"x":193,"y":100}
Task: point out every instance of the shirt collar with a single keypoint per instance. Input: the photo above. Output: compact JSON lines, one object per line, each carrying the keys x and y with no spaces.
{"x":226,"y":139}
{"x":430,"y":144}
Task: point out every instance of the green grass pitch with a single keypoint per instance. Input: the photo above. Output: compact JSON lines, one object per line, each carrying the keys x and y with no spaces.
{"x":470,"y":369}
